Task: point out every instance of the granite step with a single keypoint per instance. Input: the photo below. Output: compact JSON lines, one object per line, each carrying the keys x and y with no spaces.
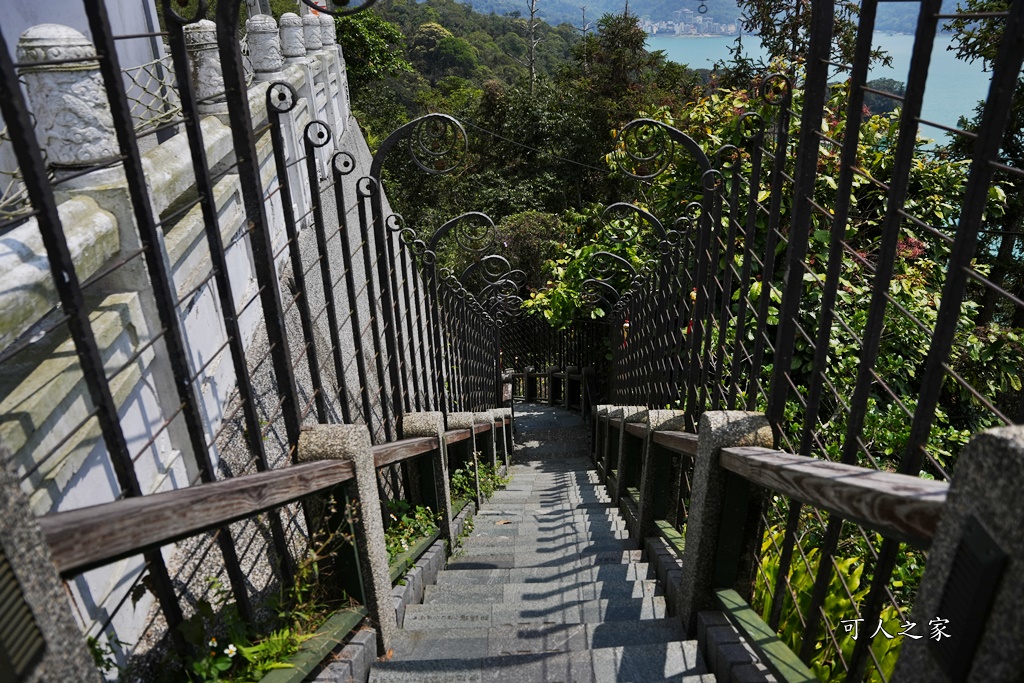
{"x":482,"y":615}
{"x":460,"y":643}
{"x":675,"y":661}
{"x":564,"y":561}
{"x":551,"y":575}
{"x":536,"y":592}
{"x":500,"y":537}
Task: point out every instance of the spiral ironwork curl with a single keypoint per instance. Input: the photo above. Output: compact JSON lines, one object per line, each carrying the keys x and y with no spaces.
{"x":344,"y":11}
{"x":712,"y":180}
{"x":317,"y":133}
{"x":281,"y":97}
{"x":395,"y":223}
{"x":172,"y":14}
{"x":776,"y":90}
{"x":650,"y":148}
{"x":751,"y":126}
{"x":344,"y":163}
{"x":632,"y":209}
{"x":605,"y":265}
{"x":474,"y":232}
{"x":366,"y":187}
{"x":437,"y":144}
{"x":727,"y":156}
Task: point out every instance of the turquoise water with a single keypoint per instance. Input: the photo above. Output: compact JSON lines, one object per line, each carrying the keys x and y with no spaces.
{"x":953,"y":88}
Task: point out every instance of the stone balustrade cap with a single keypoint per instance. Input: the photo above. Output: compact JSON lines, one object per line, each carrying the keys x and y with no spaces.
{"x":261,"y":23}
{"x":460,"y":420}
{"x":327,"y":30}
{"x":46,"y":42}
{"x":290,"y":20}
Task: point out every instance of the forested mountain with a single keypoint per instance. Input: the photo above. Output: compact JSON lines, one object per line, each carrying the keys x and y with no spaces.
{"x":899,"y":17}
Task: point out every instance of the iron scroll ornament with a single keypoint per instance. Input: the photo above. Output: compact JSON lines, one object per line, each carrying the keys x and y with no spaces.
{"x":649,"y":145}
{"x":344,"y":11}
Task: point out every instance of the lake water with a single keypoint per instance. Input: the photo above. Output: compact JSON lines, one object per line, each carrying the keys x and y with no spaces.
{"x":953,"y":88}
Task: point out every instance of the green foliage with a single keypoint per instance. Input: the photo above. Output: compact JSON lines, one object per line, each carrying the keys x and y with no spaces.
{"x":879,"y":104}
{"x":406,"y":525}
{"x":462,"y":483}
{"x":370,"y":46}
{"x":224,"y":647}
{"x":463,"y":480}
{"x":846,"y":592}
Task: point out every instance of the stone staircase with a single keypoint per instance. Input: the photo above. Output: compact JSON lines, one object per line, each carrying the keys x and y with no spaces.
{"x":547,"y":587}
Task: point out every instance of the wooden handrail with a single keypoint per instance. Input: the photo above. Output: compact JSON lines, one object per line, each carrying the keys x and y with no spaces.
{"x":94,"y":536}
{"x":897,"y":505}
{"x":91,"y":537}
{"x":637,"y":429}
{"x":455,"y":436}
{"x":396,"y":451}
{"x":677,"y":442}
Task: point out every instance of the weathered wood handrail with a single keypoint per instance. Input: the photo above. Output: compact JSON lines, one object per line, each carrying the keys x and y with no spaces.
{"x":91,"y":537}
{"x":677,"y":442}
{"x":396,"y":451}
{"x":94,"y":536}
{"x":896,"y":505}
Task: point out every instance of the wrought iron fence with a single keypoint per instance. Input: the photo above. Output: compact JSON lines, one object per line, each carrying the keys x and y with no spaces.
{"x":810,"y":281}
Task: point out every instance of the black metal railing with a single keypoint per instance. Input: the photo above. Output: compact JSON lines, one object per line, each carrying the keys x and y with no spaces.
{"x":776,"y":291}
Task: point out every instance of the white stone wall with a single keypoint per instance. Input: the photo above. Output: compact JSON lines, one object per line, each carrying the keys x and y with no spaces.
{"x":43,"y":398}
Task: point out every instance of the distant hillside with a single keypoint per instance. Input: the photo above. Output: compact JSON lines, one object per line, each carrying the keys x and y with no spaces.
{"x":892,"y":16}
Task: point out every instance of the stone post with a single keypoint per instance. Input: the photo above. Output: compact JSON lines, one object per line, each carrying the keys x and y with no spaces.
{"x":293,"y":47}
{"x":618,"y":445}
{"x":47,"y":644}
{"x":708,"y":505}
{"x":311,"y":36}
{"x":432,"y":424}
{"x":567,"y":384}
{"x":264,"y":47}
{"x":972,"y":578}
{"x":207,"y":76}
{"x":655,"y":486}
{"x":336,"y":66}
{"x":351,"y":443}
{"x":599,"y":436}
{"x":554,"y":382}
{"x":73,"y":120}
{"x":486,"y":441}
{"x":468,"y":421}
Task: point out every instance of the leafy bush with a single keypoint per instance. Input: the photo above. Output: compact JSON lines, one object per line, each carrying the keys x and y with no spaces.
{"x":406,"y":526}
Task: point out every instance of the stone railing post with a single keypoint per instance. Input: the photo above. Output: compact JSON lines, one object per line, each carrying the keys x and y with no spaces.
{"x":468,"y":421}
{"x":351,"y":443}
{"x":486,"y":443}
{"x":434,"y":468}
{"x":207,"y":76}
{"x":311,"y":37}
{"x":972,"y":589}
{"x":293,"y":48}
{"x":599,"y":436}
{"x":73,"y":120}
{"x":264,"y":47}
{"x":709,"y":560}
{"x":47,"y":645}
{"x":657,"y":489}
{"x":320,"y":58}
{"x":329,"y":37}
{"x":618,"y":445}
